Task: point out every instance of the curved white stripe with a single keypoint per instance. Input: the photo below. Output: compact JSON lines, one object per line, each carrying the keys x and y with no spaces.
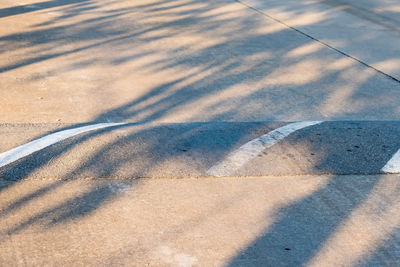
{"x":393,"y":165}
{"x":48,"y":140}
{"x":252,"y":149}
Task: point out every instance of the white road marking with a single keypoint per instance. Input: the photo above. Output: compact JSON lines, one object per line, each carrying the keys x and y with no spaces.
{"x":393,"y":165}
{"x":252,"y":149}
{"x":45,"y":141}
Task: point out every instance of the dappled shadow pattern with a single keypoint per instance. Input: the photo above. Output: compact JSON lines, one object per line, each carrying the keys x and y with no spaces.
{"x":331,"y":226}
{"x":201,"y":61}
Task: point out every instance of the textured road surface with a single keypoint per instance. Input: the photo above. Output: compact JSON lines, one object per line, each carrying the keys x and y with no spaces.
{"x":194,"y":60}
{"x":197,"y":85}
{"x":275,"y":221}
{"x":190,"y":149}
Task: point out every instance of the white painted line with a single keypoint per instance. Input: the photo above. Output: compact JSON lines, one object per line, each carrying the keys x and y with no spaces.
{"x":393,"y":165}
{"x":45,"y":141}
{"x":252,"y":149}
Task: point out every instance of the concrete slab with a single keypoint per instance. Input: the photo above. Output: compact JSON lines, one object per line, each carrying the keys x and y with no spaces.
{"x":367,"y":30}
{"x":285,"y":221}
{"x":178,"y":61}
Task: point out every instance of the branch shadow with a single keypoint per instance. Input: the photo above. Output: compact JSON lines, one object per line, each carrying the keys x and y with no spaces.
{"x":265,"y":72}
{"x":18,"y":10}
{"x":304,"y":227}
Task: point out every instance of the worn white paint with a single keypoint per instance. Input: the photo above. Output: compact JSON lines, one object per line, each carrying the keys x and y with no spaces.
{"x":252,"y":149}
{"x":174,"y":258}
{"x":393,"y":165}
{"x":45,"y":141}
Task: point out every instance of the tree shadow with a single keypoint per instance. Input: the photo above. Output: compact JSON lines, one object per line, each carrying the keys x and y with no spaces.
{"x":252,"y":72}
{"x":302,"y":228}
{"x":384,"y":251}
{"x":18,"y":10}
{"x":344,"y":147}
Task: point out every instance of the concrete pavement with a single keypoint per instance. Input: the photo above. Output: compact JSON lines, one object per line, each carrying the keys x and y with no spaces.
{"x":367,"y":31}
{"x":183,"y":61}
{"x":198,"y":83}
{"x":275,"y":221}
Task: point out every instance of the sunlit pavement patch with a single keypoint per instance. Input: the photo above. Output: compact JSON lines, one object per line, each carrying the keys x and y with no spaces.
{"x":127,"y":151}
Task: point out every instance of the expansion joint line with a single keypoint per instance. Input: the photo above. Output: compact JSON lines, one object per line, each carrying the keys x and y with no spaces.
{"x":317,"y":40}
